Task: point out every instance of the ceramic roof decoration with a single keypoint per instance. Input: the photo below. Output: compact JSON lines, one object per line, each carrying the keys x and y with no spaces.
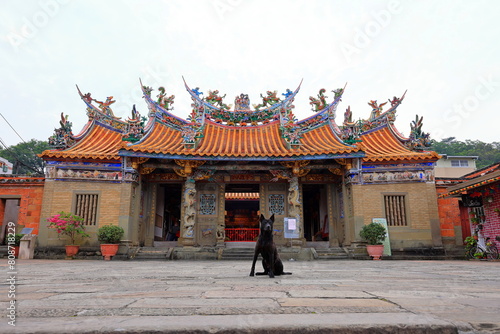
{"x":266,"y":131}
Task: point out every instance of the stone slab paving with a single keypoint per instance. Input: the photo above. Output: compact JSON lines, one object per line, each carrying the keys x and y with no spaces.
{"x":91,"y":296}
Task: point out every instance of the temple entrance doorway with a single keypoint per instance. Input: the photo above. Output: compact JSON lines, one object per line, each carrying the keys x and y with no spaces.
{"x":315,"y":213}
{"x":242,"y":212}
{"x":168,"y":212}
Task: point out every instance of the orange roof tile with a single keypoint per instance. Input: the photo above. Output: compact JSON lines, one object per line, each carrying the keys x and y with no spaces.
{"x":382,"y":145}
{"x":232,"y":142}
{"x":100,"y":143}
{"x":160,"y":140}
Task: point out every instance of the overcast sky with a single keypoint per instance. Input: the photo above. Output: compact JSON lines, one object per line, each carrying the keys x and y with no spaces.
{"x":445,"y":53}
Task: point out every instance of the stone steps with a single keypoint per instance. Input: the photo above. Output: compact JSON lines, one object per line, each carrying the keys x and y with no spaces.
{"x":332,"y":253}
{"x":151,"y":253}
{"x":237,"y":254}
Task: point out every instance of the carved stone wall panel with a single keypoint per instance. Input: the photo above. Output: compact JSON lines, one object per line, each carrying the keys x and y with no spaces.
{"x":206,"y":233}
{"x":208,"y":204}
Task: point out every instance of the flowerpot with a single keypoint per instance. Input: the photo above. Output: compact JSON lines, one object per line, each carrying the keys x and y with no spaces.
{"x":109,"y":250}
{"x":375,"y":251}
{"x":72,"y":250}
{"x":16,"y":251}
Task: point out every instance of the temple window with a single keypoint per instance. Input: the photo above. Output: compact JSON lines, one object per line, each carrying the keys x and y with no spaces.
{"x":395,"y":210}
{"x":207,"y":204}
{"x":86,"y":207}
{"x":277,"y":204}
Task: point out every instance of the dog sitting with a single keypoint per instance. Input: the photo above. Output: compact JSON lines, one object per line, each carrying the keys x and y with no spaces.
{"x":266,"y":247}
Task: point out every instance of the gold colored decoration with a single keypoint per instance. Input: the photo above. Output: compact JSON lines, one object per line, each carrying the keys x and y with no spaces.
{"x":138,"y":161}
{"x":336,"y":171}
{"x":315,"y":177}
{"x":180,"y":172}
{"x":347,"y":163}
{"x":202,"y":175}
{"x":242,"y":177}
{"x":297,"y":166}
{"x":302,"y":172}
{"x":169,"y":176}
{"x":189,"y":165}
{"x":147,"y":170}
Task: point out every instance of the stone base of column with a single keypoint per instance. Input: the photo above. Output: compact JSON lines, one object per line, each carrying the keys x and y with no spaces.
{"x":186,"y":241}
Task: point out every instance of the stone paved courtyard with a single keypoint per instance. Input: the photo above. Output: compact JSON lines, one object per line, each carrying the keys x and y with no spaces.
{"x":55,"y":296}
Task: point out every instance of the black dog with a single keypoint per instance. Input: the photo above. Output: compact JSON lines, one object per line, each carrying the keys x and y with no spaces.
{"x":265,"y":246}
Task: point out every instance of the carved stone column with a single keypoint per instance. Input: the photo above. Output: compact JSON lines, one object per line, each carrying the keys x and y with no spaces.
{"x":188,"y":212}
{"x":295,"y":203}
{"x":221,"y":224}
{"x":294,"y":194}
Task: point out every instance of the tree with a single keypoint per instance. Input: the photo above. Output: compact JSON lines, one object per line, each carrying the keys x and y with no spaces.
{"x":488,"y":153}
{"x":24,"y":157}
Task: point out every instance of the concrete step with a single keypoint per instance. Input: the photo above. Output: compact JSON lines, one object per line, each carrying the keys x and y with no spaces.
{"x":332,"y":253}
{"x":237,"y":254}
{"x":152,"y":253}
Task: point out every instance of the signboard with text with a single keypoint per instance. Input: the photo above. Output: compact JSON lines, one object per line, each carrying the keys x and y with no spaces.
{"x":387,"y":243}
{"x":291,"y":228}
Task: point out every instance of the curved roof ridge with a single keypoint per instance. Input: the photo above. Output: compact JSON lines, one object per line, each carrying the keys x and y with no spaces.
{"x":381,"y":144}
{"x":101,"y":142}
{"x":104,"y":113}
{"x":159,"y":111}
{"x":222,"y":142}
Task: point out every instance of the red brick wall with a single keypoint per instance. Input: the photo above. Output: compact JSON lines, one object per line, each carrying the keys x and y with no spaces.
{"x":492,"y":226}
{"x":30,"y":193}
{"x":449,"y":213}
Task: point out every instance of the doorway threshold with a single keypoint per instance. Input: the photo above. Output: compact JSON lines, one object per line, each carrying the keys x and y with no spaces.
{"x":317,"y":244}
{"x":165,"y":244}
{"x":236,"y":244}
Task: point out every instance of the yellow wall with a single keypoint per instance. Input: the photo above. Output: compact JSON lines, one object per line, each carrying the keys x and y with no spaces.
{"x":421,"y":206}
{"x":117,"y":204}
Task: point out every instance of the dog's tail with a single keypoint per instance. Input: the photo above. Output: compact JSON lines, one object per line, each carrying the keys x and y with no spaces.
{"x":286,"y":273}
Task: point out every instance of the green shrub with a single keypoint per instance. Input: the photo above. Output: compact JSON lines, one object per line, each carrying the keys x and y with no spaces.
{"x":18,"y":238}
{"x":374,"y":233}
{"x":110,"y":234}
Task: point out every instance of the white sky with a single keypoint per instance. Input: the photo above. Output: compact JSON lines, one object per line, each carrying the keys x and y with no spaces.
{"x":446,"y":53}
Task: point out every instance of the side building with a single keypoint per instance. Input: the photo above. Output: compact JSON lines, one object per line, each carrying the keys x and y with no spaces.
{"x":211,"y":175}
{"x":473,"y":201}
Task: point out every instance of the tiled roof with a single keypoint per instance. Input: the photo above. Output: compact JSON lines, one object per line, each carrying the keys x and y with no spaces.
{"x":237,"y":142}
{"x":482,"y":171}
{"x":160,"y":140}
{"x":382,"y":145}
{"x":241,"y":196}
{"x":476,"y":182}
{"x":100,"y":143}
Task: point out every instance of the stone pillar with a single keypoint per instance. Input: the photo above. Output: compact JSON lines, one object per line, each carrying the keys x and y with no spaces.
{"x":333,"y":224}
{"x":221,"y":222}
{"x":188,"y":212}
{"x":295,"y":205}
{"x":149,"y":227}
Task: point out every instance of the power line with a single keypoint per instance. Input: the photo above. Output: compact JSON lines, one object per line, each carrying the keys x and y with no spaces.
{"x":12,"y":128}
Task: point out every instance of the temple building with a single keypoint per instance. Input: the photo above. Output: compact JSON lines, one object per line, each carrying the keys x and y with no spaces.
{"x":210,"y":176}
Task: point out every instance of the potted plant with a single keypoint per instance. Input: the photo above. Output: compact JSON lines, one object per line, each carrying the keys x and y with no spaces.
{"x":70,"y":225}
{"x":374,"y":234}
{"x":17,"y":243}
{"x":470,"y":243}
{"x":475,"y":220}
{"x":109,"y":236}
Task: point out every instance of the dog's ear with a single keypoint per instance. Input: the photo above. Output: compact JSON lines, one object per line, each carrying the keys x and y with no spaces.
{"x":272,"y":218}
{"x":262,"y":217}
